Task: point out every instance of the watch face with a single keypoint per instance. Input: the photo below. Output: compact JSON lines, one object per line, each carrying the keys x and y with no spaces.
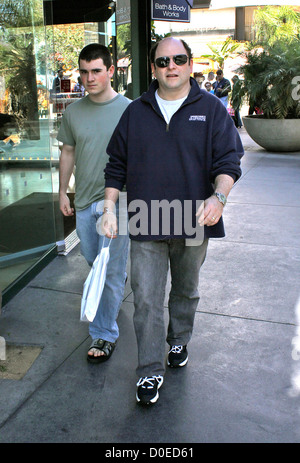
{"x":221,"y":198}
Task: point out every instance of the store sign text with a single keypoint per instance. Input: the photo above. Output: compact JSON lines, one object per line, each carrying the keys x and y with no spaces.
{"x":171,"y":11}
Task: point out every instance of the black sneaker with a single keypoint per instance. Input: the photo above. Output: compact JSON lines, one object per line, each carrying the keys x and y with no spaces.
{"x":177,"y":356}
{"x":147,"y":391}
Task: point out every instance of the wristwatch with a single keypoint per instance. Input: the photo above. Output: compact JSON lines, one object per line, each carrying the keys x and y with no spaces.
{"x":107,"y":211}
{"x":222,"y":198}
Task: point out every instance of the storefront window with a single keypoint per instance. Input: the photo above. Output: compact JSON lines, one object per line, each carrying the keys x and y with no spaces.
{"x":39,"y":78}
{"x":27,"y":206}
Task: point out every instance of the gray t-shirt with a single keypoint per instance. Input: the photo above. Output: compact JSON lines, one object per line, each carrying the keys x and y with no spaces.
{"x":89,"y":126}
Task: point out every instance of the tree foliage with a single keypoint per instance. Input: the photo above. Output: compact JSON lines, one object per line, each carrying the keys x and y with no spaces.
{"x":21,"y":13}
{"x":223,"y":51}
{"x":273,"y":23}
{"x":17,"y":24}
{"x":124,"y":39}
{"x":65,"y":43}
{"x":272,"y":63}
{"x":269,"y":79}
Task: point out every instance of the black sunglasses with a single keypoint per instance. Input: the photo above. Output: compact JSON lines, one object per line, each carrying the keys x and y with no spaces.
{"x":164,"y":61}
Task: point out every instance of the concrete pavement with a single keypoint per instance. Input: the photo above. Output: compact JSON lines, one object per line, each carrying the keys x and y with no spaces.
{"x":242,"y":381}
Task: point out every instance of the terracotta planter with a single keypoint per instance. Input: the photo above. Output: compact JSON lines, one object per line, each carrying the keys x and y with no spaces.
{"x":277,"y":135}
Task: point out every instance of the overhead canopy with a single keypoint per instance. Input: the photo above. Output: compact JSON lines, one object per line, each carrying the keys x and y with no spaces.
{"x":199,"y":3}
{"x":80,"y":11}
{"x":77,"y":11}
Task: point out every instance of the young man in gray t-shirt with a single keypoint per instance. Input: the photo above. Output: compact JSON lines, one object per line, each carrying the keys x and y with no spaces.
{"x":86,"y":128}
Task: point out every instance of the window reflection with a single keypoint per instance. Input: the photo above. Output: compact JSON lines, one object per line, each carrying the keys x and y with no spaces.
{"x":39,"y":78}
{"x":27,"y":207}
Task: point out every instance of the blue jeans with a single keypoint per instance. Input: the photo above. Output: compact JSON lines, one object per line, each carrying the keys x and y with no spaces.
{"x":149,"y":268}
{"x":104,"y":325}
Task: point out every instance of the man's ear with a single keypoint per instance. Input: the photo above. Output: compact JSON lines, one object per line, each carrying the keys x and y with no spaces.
{"x":111,"y":71}
{"x":153,"y":69}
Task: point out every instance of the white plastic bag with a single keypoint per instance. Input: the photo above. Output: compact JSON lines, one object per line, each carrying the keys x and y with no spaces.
{"x":93,"y":286}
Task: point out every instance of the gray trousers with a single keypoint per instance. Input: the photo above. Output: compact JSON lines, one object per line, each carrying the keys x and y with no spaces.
{"x":149,"y":268}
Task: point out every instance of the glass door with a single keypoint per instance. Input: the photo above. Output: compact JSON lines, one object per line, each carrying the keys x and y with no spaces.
{"x":28,"y":217}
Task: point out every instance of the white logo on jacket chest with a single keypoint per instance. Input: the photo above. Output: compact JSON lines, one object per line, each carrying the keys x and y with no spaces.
{"x":197,"y":118}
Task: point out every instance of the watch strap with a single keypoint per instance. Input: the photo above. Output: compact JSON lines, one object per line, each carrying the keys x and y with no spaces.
{"x":221,"y":197}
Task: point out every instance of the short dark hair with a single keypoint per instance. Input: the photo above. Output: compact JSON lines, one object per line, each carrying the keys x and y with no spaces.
{"x":96,"y":51}
{"x":155,"y":45}
{"x":219,"y":72}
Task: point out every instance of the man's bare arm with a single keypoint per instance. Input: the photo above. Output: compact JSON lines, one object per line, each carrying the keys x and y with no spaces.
{"x":66,"y":167}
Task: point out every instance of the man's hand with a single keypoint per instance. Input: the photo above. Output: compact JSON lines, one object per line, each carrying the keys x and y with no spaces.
{"x":108,"y":224}
{"x":210,"y":211}
{"x":108,"y":221}
{"x":64,"y":205}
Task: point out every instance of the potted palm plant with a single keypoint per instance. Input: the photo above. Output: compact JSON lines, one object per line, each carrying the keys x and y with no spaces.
{"x":271,"y":81}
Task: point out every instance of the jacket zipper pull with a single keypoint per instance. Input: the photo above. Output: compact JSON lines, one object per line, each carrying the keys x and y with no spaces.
{"x":167,"y":127}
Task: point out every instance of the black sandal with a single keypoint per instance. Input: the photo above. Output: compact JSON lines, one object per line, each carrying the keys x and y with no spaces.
{"x":104,"y":346}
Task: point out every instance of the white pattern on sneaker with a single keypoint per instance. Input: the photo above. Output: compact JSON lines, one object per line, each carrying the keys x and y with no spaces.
{"x":177,"y":356}
{"x":150,"y":380}
{"x":150,"y":384}
{"x":176,"y":349}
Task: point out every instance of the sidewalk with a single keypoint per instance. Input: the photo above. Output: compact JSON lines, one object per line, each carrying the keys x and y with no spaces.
{"x":239,"y":385}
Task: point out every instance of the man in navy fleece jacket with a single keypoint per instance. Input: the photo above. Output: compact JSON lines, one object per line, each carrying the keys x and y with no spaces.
{"x":174,"y":146}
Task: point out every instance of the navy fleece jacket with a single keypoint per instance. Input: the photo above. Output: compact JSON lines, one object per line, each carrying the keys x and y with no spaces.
{"x":175,"y":161}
